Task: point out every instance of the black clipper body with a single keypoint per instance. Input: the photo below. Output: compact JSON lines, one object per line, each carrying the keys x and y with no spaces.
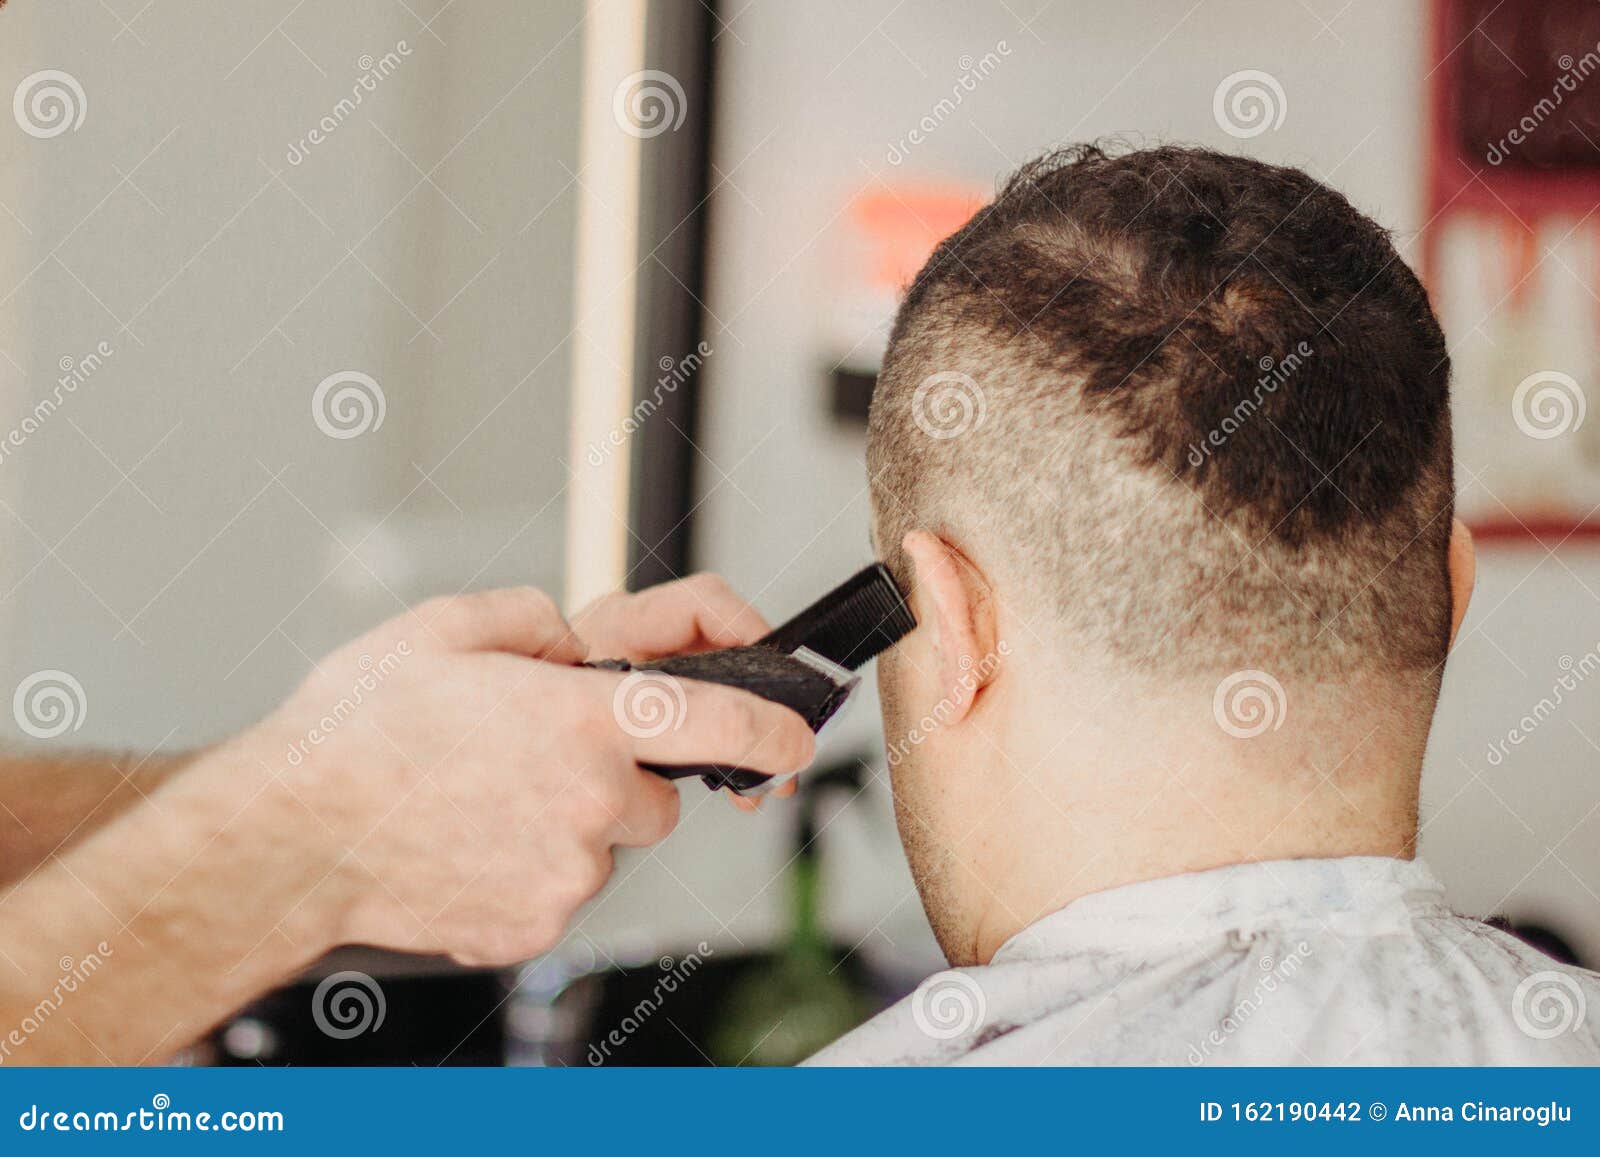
{"x":806,"y":664}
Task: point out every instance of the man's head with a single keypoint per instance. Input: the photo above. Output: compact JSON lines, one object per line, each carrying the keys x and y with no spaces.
{"x":1152,"y":421}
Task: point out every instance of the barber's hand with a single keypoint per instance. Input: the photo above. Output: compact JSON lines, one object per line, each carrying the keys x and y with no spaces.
{"x":477,"y":781}
{"x":699,"y":613}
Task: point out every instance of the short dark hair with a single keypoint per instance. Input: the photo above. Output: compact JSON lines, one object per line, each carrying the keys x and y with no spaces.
{"x":1189,"y":398}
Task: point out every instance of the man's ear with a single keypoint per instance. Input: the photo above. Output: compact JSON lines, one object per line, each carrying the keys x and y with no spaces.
{"x":952,"y":597}
{"x":1463,"y":563}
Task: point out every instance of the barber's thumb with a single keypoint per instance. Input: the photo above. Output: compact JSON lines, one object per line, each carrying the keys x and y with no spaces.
{"x":516,"y":620}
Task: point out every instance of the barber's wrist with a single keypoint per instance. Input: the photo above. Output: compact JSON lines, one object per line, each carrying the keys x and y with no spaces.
{"x":274,"y":822}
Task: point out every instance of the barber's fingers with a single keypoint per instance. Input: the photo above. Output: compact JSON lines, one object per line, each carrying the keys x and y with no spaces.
{"x":696,"y":722}
{"x":516,"y":620}
{"x":649,"y":812}
{"x":750,"y":803}
{"x":721,"y":616}
{"x":698,"y":613}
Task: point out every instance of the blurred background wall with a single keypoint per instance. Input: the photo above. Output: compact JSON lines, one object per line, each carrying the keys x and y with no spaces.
{"x":183,"y":536}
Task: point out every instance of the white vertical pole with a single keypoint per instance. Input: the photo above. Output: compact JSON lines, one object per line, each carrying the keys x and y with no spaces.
{"x":602,"y":351}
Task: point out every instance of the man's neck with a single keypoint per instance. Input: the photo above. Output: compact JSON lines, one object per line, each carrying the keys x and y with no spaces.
{"x":1153,"y":801}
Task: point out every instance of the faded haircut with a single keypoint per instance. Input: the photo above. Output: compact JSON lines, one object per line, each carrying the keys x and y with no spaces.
{"x":1193,"y":406}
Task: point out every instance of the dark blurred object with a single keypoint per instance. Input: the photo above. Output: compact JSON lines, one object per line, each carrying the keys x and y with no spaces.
{"x":1528,"y":71}
{"x":852,"y":393}
{"x":1546,"y":940}
{"x":627,"y":1019}
{"x":788,"y":1007}
{"x":711,"y":1007}
{"x":1526,"y":91}
{"x":670,"y":293}
{"x":352,"y":1018}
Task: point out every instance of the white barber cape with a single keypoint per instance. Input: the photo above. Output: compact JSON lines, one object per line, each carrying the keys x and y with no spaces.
{"x":1329,"y":962}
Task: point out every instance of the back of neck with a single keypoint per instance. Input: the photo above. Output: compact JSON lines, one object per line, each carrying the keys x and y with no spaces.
{"x":1157,"y":796}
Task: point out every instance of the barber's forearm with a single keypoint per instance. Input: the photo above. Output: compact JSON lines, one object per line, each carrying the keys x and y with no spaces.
{"x":48,"y":804}
{"x":164,"y":921}
{"x":452,"y":781}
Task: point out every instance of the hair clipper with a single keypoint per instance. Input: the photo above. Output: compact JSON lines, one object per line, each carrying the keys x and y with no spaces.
{"x":808,"y":664}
